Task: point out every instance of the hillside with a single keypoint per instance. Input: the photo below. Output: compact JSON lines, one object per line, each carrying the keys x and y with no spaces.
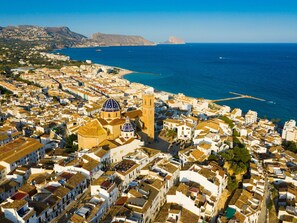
{"x":60,"y":37}
{"x":47,"y":37}
{"x":120,"y":40}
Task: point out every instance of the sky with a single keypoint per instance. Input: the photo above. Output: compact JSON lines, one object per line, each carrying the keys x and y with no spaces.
{"x":156,"y":20}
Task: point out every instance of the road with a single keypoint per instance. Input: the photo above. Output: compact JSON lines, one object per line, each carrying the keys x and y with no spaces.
{"x":266,"y":197}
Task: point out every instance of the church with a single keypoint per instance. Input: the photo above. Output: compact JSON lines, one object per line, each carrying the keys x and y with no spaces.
{"x":113,"y":126}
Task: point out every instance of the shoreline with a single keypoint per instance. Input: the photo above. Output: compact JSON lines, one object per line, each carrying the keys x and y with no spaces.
{"x":123,"y":72}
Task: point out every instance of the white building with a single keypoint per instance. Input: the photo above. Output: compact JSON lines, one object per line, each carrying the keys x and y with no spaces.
{"x":185,"y":131}
{"x":290,"y":131}
{"x":236,"y":112}
{"x":19,"y":211}
{"x":251,"y":117}
{"x":21,"y":151}
{"x":105,"y":188}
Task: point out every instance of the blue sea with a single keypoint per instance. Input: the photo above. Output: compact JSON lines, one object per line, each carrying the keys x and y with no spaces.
{"x":211,"y":71}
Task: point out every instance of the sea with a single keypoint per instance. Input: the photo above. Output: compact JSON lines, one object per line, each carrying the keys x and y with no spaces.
{"x":211,"y":71}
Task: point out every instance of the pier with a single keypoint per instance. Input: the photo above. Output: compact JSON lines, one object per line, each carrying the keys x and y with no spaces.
{"x":238,"y":96}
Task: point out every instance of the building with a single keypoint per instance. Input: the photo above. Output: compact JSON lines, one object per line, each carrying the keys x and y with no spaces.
{"x":21,"y":151}
{"x":106,"y":188}
{"x":127,"y":130}
{"x":91,"y":211}
{"x":148,"y":114}
{"x":112,"y":125}
{"x":91,"y":134}
{"x":251,"y":117}
{"x":19,"y":211}
{"x":290,"y":131}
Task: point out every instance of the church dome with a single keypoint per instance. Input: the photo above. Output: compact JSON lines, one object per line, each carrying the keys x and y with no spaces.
{"x":127,"y":127}
{"x":111,"y":105}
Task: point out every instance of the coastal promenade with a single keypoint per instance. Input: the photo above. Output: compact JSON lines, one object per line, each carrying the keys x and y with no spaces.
{"x":239,"y":96}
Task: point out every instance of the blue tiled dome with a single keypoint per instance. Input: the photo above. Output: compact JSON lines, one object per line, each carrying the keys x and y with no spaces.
{"x":127,"y":127}
{"x":111,"y":105}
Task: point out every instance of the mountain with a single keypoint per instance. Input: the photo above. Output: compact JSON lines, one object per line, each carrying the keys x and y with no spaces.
{"x":60,"y":37}
{"x":48,"y":37}
{"x":120,"y":40}
{"x":174,"y":40}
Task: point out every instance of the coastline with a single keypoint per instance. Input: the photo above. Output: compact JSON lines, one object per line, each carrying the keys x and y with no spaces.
{"x":124,"y":72}
{"x":263,"y":111}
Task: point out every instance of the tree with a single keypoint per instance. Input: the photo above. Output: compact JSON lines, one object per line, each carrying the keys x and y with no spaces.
{"x":241,"y":154}
{"x":238,"y":159}
{"x":213,"y":157}
{"x":276,"y":120}
{"x":228,"y":155}
{"x":69,"y":140}
{"x":72,"y":149}
{"x":235,"y":133}
{"x":232,"y":184}
{"x":237,"y":142}
{"x":289,"y":145}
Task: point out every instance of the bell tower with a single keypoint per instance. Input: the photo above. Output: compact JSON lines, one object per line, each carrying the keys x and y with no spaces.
{"x":148,"y":114}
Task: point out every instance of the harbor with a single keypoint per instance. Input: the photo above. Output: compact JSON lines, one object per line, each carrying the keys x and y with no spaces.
{"x":238,"y":96}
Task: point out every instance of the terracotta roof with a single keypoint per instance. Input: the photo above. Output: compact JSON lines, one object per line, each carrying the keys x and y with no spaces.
{"x":173,"y":121}
{"x":16,"y":204}
{"x":198,"y":155}
{"x":61,"y":192}
{"x":18,"y":149}
{"x":109,"y":144}
{"x":102,"y":121}
{"x":133,"y":114}
{"x":75,"y":180}
{"x":92,"y":129}
{"x":182,"y":188}
{"x":101,"y":152}
{"x":118,"y":121}
{"x":90,"y":164}
{"x":19,"y":196}
{"x":135,"y":193}
{"x":29,"y":189}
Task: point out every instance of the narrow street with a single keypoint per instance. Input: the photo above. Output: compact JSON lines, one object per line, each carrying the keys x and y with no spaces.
{"x":266,"y":197}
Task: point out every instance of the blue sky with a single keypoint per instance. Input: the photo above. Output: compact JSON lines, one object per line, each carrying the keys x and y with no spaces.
{"x":156,"y":20}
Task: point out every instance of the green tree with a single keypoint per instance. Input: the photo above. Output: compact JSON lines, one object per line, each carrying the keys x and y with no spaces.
{"x":289,"y":145}
{"x":241,"y":154}
{"x":228,"y":155}
{"x":213,"y":157}
{"x":237,"y":142}
{"x":69,"y":140}
{"x":232,"y":184}
{"x":235,"y":133}
{"x":276,"y":120}
{"x":69,"y":146}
